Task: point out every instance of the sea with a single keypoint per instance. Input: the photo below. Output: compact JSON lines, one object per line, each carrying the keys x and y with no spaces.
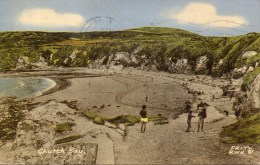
{"x":24,"y":87}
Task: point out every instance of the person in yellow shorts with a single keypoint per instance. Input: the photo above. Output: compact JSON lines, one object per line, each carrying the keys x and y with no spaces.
{"x":144,"y":119}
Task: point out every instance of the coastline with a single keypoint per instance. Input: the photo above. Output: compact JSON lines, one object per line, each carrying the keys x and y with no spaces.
{"x":120,"y":93}
{"x":53,"y":84}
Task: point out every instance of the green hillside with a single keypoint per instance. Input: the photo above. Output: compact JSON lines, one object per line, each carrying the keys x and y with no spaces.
{"x":244,"y":131}
{"x":156,"y":43}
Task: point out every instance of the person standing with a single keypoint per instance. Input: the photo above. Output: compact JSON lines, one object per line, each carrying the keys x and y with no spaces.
{"x":144,"y":119}
{"x":231,"y":96}
{"x":237,"y":113}
{"x":154,"y":94}
{"x":202,"y":115}
{"x":187,"y":107}
{"x":213,"y":97}
{"x":189,"y":121}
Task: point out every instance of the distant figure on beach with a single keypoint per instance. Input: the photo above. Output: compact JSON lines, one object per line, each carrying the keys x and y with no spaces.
{"x":231,"y":96}
{"x":213,"y":97}
{"x":154,"y":94}
{"x":226,"y":112}
{"x":202,"y":115}
{"x":187,"y":107}
{"x":237,"y":113}
{"x":146,"y":98}
{"x":189,"y":121}
{"x":144,"y":119}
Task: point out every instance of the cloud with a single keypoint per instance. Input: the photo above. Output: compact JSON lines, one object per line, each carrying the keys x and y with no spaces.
{"x":203,"y":13}
{"x":50,"y":18}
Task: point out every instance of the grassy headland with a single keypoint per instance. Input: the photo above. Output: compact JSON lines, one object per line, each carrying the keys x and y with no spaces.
{"x":157,"y":44}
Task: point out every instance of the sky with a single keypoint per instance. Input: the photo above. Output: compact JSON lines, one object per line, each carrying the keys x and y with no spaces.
{"x":204,"y":17}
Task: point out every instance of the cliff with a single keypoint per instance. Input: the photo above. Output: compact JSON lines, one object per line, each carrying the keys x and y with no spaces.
{"x":157,"y":48}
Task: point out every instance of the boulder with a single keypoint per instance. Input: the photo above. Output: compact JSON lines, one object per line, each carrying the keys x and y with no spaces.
{"x":250,"y":69}
{"x":73,"y":56}
{"x":23,"y":63}
{"x":217,"y":65}
{"x":201,"y":65}
{"x":40,"y":64}
{"x":181,"y":66}
{"x":221,"y":62}
{"x":122,"y":56}
{"x":239,"y":72}
{"x":10,"y":117}
{"x":116,"y":66}
{"x":248,"y":54}
{"x":134,"y":59}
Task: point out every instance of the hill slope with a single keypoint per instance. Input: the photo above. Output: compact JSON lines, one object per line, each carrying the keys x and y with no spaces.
{"x":165,"y":48}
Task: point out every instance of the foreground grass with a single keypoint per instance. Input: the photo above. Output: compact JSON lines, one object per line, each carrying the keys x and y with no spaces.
{"x":125,"y":119}
{"x":68,"y":139}
{"x":64,"y":126}
{"x":244,"y":131}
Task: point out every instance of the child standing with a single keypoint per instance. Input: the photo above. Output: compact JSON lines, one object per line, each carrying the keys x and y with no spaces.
{"x":144,"y":119}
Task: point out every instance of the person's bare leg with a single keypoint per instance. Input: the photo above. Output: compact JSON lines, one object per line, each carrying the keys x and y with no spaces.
{"x":202,"y":123}
{"x":188,"y":128}
{"x":142,"y":125}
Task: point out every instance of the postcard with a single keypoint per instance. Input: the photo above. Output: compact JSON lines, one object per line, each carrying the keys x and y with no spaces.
{"x":129,"y":82}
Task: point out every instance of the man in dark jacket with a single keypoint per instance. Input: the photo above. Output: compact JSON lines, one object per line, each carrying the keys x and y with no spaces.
{"x":202,"y":115}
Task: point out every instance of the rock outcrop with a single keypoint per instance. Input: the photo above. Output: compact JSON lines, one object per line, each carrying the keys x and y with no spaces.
{"x":239,"y":72}
{"x":11,"y":114}
{"x":254,"y":93}
{"x":181,"y":66}
{"x":33,"y":130}
{"x":248,"y":102}
{"x":23,"y":63}
{"x":201,"y":65}
{"x":248,"y":54}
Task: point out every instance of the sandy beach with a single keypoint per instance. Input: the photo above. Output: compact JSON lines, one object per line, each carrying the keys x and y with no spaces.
{"x":123,"y":93}
{"x":112,"y":93}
